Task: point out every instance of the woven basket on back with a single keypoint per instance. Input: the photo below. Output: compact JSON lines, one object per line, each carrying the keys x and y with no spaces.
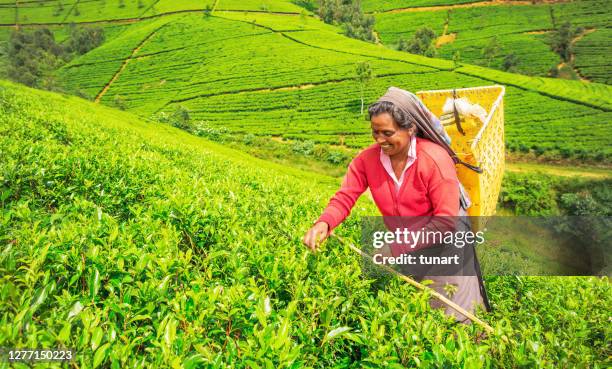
{"x":482,"y":144}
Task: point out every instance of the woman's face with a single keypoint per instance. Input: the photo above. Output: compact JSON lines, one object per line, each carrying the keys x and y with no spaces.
{"x":392,"y":139}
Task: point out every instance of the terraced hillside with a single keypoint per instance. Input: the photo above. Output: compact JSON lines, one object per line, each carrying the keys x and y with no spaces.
{"x":272,"y":69}
{"x":521,"y":28}
{"x":97,"y":11}
{"x":293,"y":76}
{"x":140,"y":245}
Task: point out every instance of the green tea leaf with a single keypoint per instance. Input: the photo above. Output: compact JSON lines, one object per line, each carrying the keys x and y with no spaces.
{"x":193,"y":361}
{"x":100,"y":355}
{"x":76,"y":309}
{"x":96,"y":338}
{"x":94,"y":283}
{"x":335,"y":333}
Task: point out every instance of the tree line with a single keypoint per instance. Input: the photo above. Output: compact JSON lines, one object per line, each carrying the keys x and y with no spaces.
{"x":34,"y":56}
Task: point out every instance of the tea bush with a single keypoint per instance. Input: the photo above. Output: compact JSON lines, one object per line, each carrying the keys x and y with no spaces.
{"x":140,"y":245}
{"x":525,"y":30}
{"x":293,"y":77}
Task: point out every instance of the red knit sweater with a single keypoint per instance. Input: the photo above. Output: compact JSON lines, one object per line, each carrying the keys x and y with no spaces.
{"x":430,"y":186}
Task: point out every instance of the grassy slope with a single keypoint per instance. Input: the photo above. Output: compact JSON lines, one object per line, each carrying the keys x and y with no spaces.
{"x":136,"y":243}
{"x":72,"y":11}
{"x":298,"y":81}
{"x":518,"y":29}
{"x":562,"y":171}
{"x":386,"y":5}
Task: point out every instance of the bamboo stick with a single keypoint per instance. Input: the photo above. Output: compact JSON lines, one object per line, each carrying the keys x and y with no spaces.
{"x":422,"y":287}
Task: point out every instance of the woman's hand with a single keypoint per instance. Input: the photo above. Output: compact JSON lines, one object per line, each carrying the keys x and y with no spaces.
{"x":316,"y":235}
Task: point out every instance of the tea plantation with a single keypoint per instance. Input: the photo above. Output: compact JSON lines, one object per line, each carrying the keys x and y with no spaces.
{"x":270,"y":68}
{"x":98,"y":11}
{"x":522,"y":29}
{"x":138,"y":244}
{"x":293,"y":76}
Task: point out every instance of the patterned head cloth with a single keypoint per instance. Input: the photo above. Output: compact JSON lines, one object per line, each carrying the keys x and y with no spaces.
{"x":428,"y":126}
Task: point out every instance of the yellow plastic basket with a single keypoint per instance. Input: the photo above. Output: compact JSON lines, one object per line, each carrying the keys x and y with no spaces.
{"x":483,"y":145}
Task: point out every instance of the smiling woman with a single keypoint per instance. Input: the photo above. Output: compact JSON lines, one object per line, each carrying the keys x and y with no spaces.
{"x":410,"y":172}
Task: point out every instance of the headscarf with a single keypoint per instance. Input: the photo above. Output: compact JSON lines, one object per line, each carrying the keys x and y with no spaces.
{"x":428,"y":125}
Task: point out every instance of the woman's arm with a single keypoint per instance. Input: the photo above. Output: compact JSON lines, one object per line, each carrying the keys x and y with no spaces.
{"x":340,"y":205}
{"x":354,"y":184}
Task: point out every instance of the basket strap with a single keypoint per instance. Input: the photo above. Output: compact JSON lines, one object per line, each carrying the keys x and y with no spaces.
{"x":472,"y":167}
{"x":456,"y":114}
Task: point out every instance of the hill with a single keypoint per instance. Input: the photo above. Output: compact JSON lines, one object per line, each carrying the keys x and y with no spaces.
{"x":293,"y":76}
{"x":299,"y":81}
{"x":138,"y":244}
{"x":521,"y":28}
{"x":57,"y":12}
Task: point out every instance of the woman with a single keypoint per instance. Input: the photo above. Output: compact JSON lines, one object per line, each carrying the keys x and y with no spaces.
{"x":410,"y":171}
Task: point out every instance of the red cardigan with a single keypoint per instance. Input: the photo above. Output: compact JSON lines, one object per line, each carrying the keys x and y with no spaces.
{"x":430,"y":186}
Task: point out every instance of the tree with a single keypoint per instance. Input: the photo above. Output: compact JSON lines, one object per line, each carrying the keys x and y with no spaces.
{"x":119,"y":102}
{"x":207,"y":10}
{"x":402,"y":44}
{"x":491,"y":50}
{"x":553,"y":20}
{"x":33,"y":56}
{"x":457,"y":59}
{"x":562,"y":39}
{"x":181,"y":118}
{"x":364,"y":75}
{"x":510,"y":62}
{"x":422,"y":43}
{"x":349,"y":14}
{"x":84,"y":39}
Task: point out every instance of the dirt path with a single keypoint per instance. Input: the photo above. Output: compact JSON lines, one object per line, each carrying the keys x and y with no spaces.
{"x":124,"y":64}
{"x":446,"y":38}
{"x":470,"y":5}
{"x":573,"y":56}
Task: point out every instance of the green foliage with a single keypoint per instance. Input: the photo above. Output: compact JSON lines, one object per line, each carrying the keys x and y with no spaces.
{"x":589,"y":58}
{"x":528,"y":194}
{"x":119,"y":102}
{"x":364,"y":76}
{"x":33,"y":56}
{"x":422,"y":43}
{"x":538,"y":194}
{"x":522,"y":29}
{"x":84,"y":39}
{"x":562,"y":39}
{"x":457,"y":59}
{"x":139,"y":245}
{"x":491,"y":50}
{"x":511,"y":61}
{"x":285,"y":88}
{"x":181,"y":118}
{"x":303,"y":147}
{"x":349,"y":14}
{"x":386,"y":5}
